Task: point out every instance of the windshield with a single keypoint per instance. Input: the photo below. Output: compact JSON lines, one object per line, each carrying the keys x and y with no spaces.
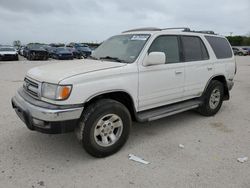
{"x":81,"y":45}
{"x":125,"y":48}
{"x":36,"y":46}
{"x":84,"y":48}
{"x":62,"y":49}
{"x":7,"y":49}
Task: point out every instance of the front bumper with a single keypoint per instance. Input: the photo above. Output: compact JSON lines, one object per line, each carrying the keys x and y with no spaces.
{"x":45,"y":117}
{"x":8,"y":57}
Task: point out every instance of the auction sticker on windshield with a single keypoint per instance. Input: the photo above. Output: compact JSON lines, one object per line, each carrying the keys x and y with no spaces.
{"x":139,"y":37}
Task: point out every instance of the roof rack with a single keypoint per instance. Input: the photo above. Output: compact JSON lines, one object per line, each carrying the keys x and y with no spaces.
{"x":184,"y":29}
{"x":205,"y":32}
{"x":176,"y":28}
{"x":143,"y":29}
{"x":156,"y":29}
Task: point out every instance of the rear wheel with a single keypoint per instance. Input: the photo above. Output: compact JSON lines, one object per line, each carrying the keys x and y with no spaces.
{"x":213,"y":99}
{"x":104,"y":127}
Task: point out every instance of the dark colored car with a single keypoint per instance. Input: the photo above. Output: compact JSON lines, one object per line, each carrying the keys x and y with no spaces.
{"x":77,"y":54}
{"x":35,"y":52}
{"x":83,"y":49}
{"x":62,"y":53}
{"x":50,"y":50}
{"x":8,"y":53}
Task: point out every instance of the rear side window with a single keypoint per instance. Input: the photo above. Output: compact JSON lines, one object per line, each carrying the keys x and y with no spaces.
{"x":169,"y":45}
{"x":220,"y":47}
{"x":194,"y":49}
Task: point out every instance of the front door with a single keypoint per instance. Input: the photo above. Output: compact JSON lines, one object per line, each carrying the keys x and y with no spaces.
{"x":162,"y":84}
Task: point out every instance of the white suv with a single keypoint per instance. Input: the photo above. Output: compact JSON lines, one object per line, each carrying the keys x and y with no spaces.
{"x":140,"y":75}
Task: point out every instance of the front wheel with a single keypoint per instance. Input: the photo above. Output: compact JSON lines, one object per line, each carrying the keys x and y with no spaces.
{"x":104,"y":127}
{"x":213,"y":98}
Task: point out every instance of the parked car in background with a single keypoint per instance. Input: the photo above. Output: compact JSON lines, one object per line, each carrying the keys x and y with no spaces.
{"x":239,"y":51}
{"x":247,"y":49}
{"x":35,"y":52}
{"x":8,"y":53}
{"x":50,"y":50}
{"x":20,"y":51}
{"x":83,"y":49}
{"x":62,"y":53}
{"x":76,"y":53}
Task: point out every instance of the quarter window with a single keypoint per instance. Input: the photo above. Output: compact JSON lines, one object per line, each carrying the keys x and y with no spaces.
{"x":194,"y":49}
{"x":168,"y":45}
{"x":220,"y":46}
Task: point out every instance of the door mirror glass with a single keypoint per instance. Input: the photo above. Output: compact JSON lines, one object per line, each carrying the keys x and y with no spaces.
{"x":155,"y":58}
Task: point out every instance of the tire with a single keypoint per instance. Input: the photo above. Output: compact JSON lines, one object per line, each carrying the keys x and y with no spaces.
{"x":212,"y":99}
{"x":29,"y":57}
{"x":240,"y":54}
{"x":108,"y":119}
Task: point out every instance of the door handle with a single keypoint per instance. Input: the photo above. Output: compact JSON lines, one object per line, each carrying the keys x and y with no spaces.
{"x":178,"y":72}
{"x":210,"y":68}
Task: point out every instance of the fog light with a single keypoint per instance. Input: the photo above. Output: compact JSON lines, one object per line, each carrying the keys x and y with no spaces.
{"x":41,"y":124}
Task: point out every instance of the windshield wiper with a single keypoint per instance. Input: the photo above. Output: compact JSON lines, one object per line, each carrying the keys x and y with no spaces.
{"x":113,"y":58}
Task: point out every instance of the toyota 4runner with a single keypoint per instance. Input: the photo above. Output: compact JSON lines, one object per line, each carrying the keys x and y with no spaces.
{"x":139,"y":75}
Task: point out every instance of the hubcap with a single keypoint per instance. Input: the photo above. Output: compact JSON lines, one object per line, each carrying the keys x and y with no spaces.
{"x":214,"y":98}
{"x":108,"y":130}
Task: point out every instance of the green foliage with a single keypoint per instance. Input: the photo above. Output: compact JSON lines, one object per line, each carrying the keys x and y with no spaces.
{"x":239,"y":40}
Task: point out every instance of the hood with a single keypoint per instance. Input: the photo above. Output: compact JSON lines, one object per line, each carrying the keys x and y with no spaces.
{"x":8,"y":52}
{"x":54,"y":73}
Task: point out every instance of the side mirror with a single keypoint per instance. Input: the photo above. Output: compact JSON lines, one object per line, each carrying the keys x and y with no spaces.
{"x":155,"y":58}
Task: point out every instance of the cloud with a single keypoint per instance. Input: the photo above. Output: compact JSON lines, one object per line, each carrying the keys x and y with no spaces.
{"x":95,"y":20}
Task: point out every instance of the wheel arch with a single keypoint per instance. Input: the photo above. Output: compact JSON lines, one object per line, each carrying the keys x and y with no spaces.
{"x":119,"y":95}
{"x":221,"y":78}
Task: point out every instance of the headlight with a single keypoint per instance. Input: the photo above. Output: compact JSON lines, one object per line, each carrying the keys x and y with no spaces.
{"x":56,"y":92}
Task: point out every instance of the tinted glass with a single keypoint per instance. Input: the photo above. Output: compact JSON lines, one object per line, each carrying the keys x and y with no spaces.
{"x":169,"y":45}
{"x":220,"y":46}
{"x":194,"y":49}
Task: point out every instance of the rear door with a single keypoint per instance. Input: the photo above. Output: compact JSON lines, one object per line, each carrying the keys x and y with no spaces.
{"x":198,"y":66}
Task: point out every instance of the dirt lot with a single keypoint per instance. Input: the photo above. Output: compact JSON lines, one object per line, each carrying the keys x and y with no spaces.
{"x":209,"y":158}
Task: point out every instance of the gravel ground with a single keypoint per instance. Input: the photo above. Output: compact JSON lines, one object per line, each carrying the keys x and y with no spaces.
{"x":209,"y":158}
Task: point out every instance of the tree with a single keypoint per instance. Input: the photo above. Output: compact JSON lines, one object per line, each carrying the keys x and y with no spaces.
{"x":17,"y":43}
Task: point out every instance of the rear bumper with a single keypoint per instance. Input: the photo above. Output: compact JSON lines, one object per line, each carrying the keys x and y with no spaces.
{"x":230,"y":84}
{"x":45,"y":117}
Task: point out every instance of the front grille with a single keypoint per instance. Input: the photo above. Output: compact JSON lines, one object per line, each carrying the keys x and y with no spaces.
{"x":66,"y":55}
{"x":31,"y":87}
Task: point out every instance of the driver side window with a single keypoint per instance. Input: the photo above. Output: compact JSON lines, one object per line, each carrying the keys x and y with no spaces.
{"x":168,"y":45}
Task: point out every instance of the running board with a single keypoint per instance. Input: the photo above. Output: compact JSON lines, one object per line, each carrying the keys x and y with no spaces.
{"x":161,"y":112}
